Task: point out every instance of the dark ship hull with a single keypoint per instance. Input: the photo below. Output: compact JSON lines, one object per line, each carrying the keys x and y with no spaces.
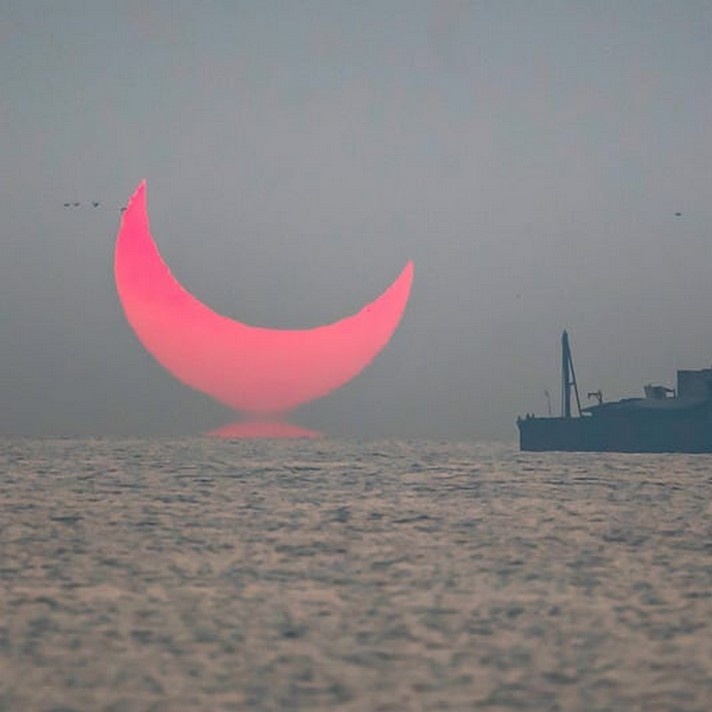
{"x":660,"y":422}
{"x":617,"y":434}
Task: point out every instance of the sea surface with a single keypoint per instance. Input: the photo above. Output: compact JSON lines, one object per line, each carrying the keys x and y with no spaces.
{"x":196,"y":574}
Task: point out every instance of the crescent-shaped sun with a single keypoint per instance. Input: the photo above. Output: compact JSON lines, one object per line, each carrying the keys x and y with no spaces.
{"x":253,"y":369}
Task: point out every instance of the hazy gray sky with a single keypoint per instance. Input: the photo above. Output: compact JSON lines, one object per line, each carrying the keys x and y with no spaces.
{"x":530,"y":156}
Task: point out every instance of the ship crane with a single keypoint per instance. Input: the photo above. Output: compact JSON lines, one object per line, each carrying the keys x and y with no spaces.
{"x":568,"y":379}
{"x":598,"y":395}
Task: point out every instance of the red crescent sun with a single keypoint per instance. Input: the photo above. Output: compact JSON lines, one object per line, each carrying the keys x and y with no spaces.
{"x":261,"y":372}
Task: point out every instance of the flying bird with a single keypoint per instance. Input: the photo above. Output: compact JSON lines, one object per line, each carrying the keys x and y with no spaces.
{"x":95,"y":203}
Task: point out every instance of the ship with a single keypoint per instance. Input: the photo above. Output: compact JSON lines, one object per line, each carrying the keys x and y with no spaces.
{"x":664,"y":420}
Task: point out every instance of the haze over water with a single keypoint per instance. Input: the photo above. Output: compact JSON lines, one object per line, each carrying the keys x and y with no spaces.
{"x":382,"y":575}
{"x":546,"y":165}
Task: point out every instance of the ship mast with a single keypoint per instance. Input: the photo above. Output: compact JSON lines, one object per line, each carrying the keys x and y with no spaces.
{"x":568,"y":379}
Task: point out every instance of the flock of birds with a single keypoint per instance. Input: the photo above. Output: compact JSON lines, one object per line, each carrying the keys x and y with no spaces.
{"x":93,"y":204}
{"x":97,"y":203}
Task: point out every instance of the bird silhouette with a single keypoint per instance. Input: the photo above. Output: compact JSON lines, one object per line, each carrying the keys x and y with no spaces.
{"x":95,"y":203}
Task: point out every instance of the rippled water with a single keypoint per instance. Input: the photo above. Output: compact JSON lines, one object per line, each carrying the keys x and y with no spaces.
{"x":204,"y":575}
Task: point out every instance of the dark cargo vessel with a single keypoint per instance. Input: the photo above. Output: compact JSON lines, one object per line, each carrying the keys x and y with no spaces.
{"x":665,"y":420}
